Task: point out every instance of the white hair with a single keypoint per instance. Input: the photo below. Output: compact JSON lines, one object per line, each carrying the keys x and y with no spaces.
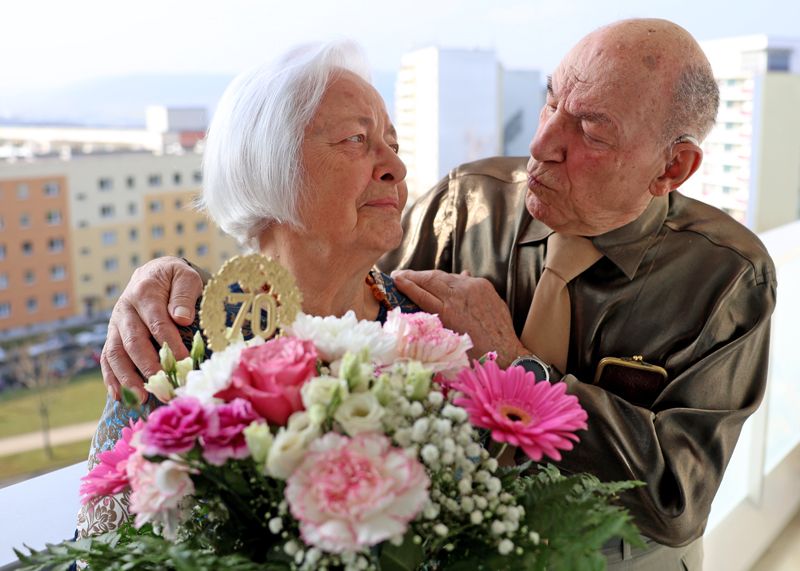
{"x":252,"y":163}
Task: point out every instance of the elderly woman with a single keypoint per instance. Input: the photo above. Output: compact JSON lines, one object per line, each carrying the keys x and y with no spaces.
{"x":301,"y":165}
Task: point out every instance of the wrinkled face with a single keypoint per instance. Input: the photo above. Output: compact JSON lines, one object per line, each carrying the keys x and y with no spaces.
{"x":597,"y":149}
{"x":355,"y":182}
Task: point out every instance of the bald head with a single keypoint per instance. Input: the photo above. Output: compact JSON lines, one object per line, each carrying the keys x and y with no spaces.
{"x":668,"y":69}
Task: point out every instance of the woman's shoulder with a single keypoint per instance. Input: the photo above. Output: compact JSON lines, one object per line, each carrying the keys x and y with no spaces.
{"x":393,"y":296}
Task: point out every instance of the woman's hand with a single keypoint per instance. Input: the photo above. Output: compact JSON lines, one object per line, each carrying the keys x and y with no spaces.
{"x":160,"y":294}
{"x":466,"y":305}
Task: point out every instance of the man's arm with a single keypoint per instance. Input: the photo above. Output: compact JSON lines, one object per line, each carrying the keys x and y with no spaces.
{"x":160,"y":294}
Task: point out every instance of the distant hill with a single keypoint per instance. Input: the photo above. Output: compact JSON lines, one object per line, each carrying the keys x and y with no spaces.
{"x":121,"y":101}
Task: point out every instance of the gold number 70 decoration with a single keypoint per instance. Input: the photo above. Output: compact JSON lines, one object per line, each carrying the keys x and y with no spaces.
{"x":267,"y":287}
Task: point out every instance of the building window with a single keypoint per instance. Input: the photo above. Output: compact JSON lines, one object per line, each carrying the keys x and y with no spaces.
{"x":179,"y":228}
{"x":202,"y":250}
{"x":154,"y":180}
{"x":201,"y":226}
{"x":131,"y":208}
{"x":157,"y":232}
{"x":27,"y":248}
{"x":55,"y":245}
{"x":30,"y":277}
{"x":80,"y":196}
{"x":53,"y":217}
{"x":133,"y":234}
{"x":2,"y":251}
{"x":728,"y":147}
{"x":110,"y":264}
{"x":86,"y":278}
{"x":180,"y":252}
{"x":24,"y":221}
{"x":134,"y":260}
{"x":157,"y":254}
{"x":85,"y":251}
{"x":83,"y":224}
{"x":22,"y":191}
{"x":197,"y":176}
{"x":177,"y":178}
{"x":51,"y":189}
{"x":4,"y":281}
{"x":106,"y":210}
{"x":5,"y":310}
{"x":105,"y":183}
{"x":112,"y":291}
{"x":2,"y":223}
{"x":58,"y":273}
{"x":155,"y":206}
{"x":59,"y":299}
{"x":109,"y":237}
{"x":178,"y":204}
{"x":130,"y":182}
{"x":32,"y":305}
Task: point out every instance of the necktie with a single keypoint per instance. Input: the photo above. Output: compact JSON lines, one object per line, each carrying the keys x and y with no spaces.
{"x":546,"y":331}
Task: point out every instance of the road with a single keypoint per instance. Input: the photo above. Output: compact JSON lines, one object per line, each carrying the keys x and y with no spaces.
{"x":33,"y":440}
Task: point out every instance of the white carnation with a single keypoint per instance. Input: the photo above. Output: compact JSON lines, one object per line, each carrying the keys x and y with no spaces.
{"x":213,"y":376}
{"x":335,"y":336}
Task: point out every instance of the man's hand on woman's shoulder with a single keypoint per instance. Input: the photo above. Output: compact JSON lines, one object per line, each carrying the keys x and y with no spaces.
{"x":161,"y":293}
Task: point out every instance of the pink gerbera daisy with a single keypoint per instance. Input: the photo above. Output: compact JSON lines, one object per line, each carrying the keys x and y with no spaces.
{"x":538,"y":417}
{"x":109,"y":476}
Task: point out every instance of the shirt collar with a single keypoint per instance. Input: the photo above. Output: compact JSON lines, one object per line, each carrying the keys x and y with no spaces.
{"x":625,"y":246}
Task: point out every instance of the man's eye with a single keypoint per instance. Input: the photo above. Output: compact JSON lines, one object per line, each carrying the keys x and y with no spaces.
{"x":356,"y":138}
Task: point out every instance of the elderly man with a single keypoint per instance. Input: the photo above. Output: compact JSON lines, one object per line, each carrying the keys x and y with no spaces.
{"x":621,"y":267}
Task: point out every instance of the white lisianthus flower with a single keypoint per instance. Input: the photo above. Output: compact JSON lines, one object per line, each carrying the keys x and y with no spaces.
{"x":322,"y":390}
{"x":359,"y":413}
{"x":160,"y":385}
{"x":213,"y":376}
{"x":335,"y":336}
{"x":259,"y":441}
{"x":290,"y":445}
{"x":182,"y":369}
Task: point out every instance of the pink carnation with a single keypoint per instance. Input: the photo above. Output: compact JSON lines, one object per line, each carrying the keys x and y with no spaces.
{"x":538,"y":417}
{"x":224,"y":438}
{"x":422,"y":337}
{"x":350,"y":494}
{"x":174,"y":428}
{"x":270,"y":377}
{"x":109,"y":476}
{"x":157,"y":491}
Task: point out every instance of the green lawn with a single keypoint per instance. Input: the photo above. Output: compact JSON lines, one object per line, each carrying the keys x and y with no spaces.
{"x":18,"y":467}
{"x":79,"y":400}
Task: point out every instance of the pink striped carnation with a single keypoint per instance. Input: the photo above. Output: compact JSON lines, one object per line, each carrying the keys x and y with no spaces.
{"x":109,"y":476}
{"x":538,"y":417}
{"x":352,"y":493}
{"x":224,"y":437}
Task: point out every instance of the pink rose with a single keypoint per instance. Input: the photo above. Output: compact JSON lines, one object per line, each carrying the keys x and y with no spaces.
{"x":174,"y":428}
{"x":352,"y":493}
{"x":109,"y":476}
{"x":423,"y":338}
{"x":224,"y":438}
{"x":270,"y":377}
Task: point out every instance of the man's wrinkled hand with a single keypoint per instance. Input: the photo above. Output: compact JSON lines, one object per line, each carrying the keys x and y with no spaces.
{"x":466,"y":305}
{"x":161,"y":293}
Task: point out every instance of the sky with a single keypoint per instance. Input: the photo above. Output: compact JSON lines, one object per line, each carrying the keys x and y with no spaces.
{"x":53,"y":43}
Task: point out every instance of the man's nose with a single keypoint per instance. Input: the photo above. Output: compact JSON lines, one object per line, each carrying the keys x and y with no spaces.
{"x":549,"y":142}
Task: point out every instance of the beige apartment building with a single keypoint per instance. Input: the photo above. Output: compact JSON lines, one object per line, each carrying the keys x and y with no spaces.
{"x":113,"y":212}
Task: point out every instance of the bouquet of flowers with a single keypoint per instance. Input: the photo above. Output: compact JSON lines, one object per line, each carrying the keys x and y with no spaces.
{"x":345,"y":444}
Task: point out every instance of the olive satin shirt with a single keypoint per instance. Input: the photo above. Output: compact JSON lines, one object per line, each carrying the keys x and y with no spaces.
{"x":685,"y":286}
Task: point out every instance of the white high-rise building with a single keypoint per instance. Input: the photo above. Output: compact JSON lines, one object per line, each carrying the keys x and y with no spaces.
{"x":751,"y":167}
{"x":455,"y":105}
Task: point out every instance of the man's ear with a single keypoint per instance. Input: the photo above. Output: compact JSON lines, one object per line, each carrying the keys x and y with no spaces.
{"x":685,"y":159}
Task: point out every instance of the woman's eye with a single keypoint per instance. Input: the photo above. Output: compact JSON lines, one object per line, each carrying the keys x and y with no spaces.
{"x":395,"y":147}
{"x":356,"y":138}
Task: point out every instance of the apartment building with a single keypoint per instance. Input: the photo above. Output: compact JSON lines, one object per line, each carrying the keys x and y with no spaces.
{"x":751,"y":166}
{"x":115,"y":211}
